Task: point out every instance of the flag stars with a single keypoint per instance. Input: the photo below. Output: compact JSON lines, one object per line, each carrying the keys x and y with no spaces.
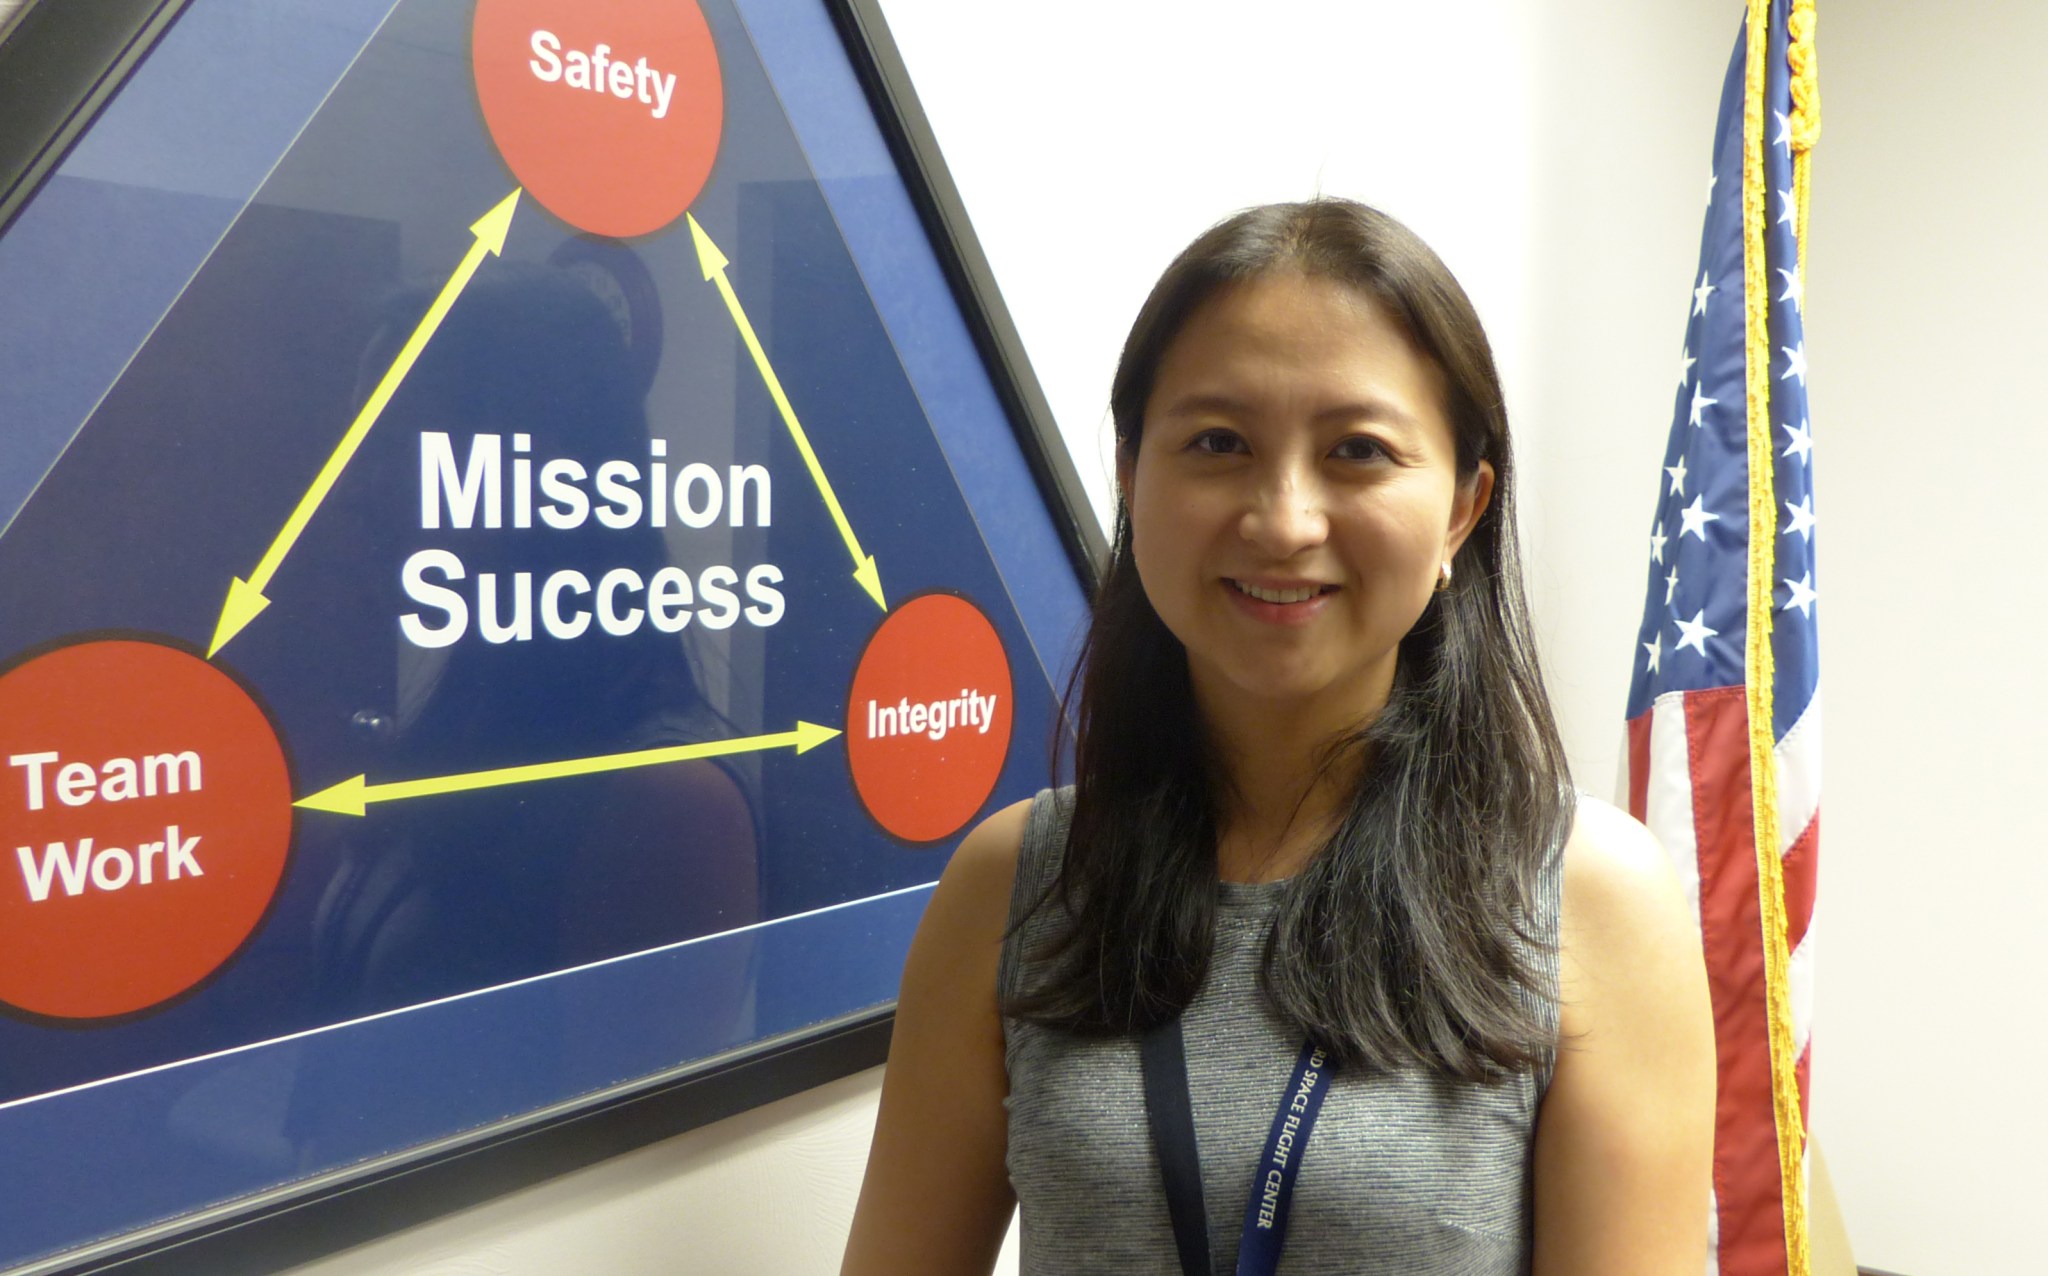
{"x":1788,"y":209}
{"x":1795,"y":362}
{"x":1795,"y":287}
{"x":1804,"y":520}
{"x":1685,"y":362}
{"x":1700,"y":295}
{"x":1713,"y":179}
{"x":1695,"y":517}
{"x":1694,"y":633}
{"x":1800,"y":442}
{"x":1657,"y":539}
{"x":1652,"y":650}
{"x":1803,"y":595}
{"x":1671,"y":584}
{"x":1700,"y":404}
{"x":1677,"y":473}
{"x":1784,"y":137}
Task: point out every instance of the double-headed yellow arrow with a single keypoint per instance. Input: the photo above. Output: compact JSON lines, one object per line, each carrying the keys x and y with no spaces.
{"x":714,"y":263}
{"x":245,"y":599}
{"x":351,"y":796}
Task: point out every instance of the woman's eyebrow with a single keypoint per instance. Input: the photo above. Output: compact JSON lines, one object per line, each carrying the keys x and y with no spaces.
{"x":1367,"y":408}
{"x":1208,"y":404}
{"x":1372,"y":410}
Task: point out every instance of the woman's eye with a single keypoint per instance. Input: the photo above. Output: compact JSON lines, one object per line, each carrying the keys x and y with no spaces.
{"x":1216,"y":442}
{"x":1359,"y":447}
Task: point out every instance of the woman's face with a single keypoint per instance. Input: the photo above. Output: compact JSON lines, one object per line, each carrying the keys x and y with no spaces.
{"x":1294,"y":494}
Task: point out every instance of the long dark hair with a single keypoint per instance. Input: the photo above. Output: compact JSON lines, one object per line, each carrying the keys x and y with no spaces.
{"x":1409,"y":938}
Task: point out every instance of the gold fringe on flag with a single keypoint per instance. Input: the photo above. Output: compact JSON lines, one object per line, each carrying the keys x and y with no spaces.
{"x":1805,"y":108}
{"x":1763,"y":530}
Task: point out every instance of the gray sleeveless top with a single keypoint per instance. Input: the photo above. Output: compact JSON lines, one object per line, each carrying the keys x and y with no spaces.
{"x":1409,"y":1173}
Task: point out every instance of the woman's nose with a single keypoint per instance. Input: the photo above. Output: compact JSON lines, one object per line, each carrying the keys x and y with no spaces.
{"x":1284,"y":514}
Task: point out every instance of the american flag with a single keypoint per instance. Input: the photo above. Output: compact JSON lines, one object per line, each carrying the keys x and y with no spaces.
{"x":1723,"y":743}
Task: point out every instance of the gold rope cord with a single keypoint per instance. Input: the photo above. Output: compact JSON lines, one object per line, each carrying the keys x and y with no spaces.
{"x":1805,"y":109}
{"x":1761,"y":664}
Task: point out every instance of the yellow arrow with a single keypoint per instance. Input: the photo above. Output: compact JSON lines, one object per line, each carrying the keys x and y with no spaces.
{"x":245,"y":599}
{"x":352,"y":795}
{"x":714,"y":263}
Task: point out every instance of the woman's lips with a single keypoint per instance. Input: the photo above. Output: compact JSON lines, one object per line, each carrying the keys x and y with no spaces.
{"x":1284,"y":602}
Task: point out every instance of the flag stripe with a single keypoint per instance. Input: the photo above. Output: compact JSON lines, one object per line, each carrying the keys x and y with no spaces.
{"x":1668,"y":807}
{"x":1799,"y":883}
{"x":1799,"y":827}
{"x":1802,"y":994}
{"x":1799,"y":776}
{"x":1746,"y":1171}
{"x":1636,"y":755}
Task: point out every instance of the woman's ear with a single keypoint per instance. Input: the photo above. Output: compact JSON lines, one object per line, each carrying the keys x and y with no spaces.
{"x":1468,"y":502}
{"x":1126,"y":472}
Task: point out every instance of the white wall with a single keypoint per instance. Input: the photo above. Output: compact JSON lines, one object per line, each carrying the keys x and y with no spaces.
{"x":1555,"y":152}
{"x":1926,"y":338}
{"x":1094,"y":140}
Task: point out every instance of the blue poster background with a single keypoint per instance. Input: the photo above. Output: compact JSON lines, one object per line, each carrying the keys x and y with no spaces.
{"x":191,"y":311}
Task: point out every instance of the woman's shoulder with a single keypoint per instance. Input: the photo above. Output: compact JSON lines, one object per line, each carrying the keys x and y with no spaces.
{"x":980,"y":876}
{"x":1613,"y":865}
{"x":1005,"y":860}
{"x":1627,"y":928}
{"x":936,"y":1194}
{"x":1625,"y":1136}
{"x":990,"y":892}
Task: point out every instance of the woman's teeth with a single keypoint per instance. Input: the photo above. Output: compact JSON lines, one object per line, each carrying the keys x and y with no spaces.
{"x":1301,"y":595}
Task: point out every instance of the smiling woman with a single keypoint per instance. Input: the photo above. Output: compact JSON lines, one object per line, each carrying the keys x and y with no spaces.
{"x":1320,"y":938}
{"x":1294,"y":498}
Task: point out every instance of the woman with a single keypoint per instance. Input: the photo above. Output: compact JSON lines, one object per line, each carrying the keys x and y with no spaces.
{"x":1321,"y":820}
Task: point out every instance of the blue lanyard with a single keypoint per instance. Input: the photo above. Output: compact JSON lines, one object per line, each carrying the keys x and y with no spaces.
{"x":1162,"y":1055}
{"x":1265,"y":1214}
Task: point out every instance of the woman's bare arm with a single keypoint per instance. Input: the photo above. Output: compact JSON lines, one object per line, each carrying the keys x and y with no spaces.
{"x":936,"y":1198}
{"x":1624,"y":1141}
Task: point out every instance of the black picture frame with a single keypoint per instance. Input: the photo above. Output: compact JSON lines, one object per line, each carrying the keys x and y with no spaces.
{"x":59,"y":64}
{"x":879,"y":64}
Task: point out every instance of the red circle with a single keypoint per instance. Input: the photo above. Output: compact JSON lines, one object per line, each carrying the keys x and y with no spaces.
{"x":929,"y":657}
{"x":549,"y":76}
{"x":175,"y":776}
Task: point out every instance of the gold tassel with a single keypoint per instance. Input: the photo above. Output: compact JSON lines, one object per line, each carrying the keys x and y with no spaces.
{"x":1805,"y":63}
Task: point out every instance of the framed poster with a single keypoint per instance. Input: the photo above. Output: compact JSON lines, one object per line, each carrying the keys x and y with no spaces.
{"x":525,"y":538}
